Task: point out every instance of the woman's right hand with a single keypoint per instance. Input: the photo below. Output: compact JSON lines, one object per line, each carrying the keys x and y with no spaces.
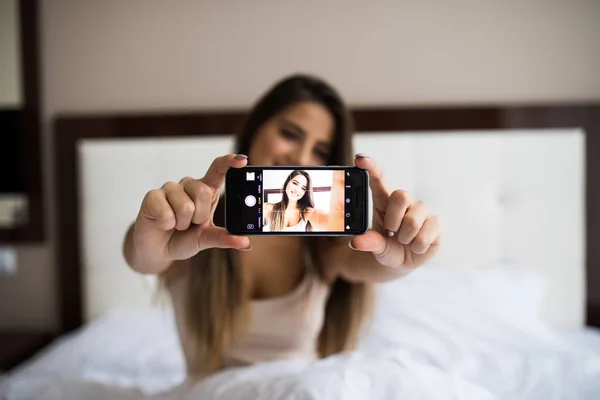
{"x":175,"y":222}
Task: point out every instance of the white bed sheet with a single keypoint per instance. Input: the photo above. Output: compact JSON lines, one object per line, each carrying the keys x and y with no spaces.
{"x":436,"y":334}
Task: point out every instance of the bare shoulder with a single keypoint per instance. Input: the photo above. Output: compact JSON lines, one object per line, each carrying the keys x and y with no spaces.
{"x":310,"y":211}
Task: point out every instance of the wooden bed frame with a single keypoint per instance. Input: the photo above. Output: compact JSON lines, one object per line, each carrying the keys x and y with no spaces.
{"x":70,"y":129}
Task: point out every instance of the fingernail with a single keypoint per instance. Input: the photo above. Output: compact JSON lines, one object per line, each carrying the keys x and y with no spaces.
{"x":361,"y":155}
{"x":246,"y":248}
{"x":240,"y":157}
{"x":390,"y":233}
{"x":350,"y":245}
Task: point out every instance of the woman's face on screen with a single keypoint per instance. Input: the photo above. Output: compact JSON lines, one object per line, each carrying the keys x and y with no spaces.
{"x":301,"y":134}
{"x":296,"y":187}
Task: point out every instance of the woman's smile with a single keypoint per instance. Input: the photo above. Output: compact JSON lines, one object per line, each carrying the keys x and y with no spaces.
{"x":295,"y":195}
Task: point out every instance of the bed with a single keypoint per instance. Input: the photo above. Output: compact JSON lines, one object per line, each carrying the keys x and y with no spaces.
{"x":508,"y":310}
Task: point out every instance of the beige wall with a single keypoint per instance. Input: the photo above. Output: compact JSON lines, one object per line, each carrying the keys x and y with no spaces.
{"x":153,"y":54}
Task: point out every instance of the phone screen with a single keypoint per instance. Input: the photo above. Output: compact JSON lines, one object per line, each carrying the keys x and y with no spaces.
{"x":296,"y":201}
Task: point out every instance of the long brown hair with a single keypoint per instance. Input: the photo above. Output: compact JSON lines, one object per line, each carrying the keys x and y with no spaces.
{"x":217,"y":299}
{"x":277,"y":219}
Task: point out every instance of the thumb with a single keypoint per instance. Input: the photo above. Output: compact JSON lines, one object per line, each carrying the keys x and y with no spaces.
{"x":371,"y":241}
{"x":387,"y":251}
{"x":214,"y":236}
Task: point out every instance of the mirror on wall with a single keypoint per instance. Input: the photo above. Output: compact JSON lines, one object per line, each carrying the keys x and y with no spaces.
{"x":20,"y":183}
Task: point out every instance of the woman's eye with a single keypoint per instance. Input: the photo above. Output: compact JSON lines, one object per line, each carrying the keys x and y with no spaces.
{"x":288,"y":134}
{"x":322,"y":154}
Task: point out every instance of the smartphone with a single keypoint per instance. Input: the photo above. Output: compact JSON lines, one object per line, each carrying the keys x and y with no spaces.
{"x":298,"y":201}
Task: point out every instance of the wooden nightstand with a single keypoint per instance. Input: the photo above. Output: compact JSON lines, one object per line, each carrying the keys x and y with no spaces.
{"x":16,"y":347}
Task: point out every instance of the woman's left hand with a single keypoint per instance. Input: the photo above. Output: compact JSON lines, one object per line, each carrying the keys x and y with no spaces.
{"x":404,"y":233}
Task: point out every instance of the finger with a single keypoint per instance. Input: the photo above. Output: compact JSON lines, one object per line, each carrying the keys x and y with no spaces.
{"x":412,"y":222}
{"x":202,"y":196}
{"x":215,"y":236}
{"x":387,"y":251}
{"x":398,"y":204}
{"x":427,"y":236}
{"x":376,"y":181}
{"x":181,"y":204}
{"x":156,"y":208}
{"x":215,"y":176}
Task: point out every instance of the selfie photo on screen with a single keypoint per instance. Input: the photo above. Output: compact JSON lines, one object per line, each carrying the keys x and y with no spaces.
{"x":303,"y":201}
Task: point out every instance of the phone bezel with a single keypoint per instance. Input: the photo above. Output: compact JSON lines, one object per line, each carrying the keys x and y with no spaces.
{"x":365,"y":198}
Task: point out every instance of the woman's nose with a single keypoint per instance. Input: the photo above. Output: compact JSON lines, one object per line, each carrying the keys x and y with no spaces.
{"x":301,"y":156}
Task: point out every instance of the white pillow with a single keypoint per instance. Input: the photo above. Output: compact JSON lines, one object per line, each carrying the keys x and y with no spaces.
{"x":462,"y":308}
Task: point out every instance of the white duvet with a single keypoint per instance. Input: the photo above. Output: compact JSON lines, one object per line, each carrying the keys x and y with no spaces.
{"x":435,"y":335}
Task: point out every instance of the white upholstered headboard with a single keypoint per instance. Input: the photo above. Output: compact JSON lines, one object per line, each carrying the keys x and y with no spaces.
{"x":501,"y":196}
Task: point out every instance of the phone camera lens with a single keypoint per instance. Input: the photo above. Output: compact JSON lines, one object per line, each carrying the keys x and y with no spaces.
{"x":250,"y":226}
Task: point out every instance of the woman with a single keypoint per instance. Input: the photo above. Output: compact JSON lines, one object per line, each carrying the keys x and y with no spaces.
{"x":296,"y":211}
{"x":290,"y":296}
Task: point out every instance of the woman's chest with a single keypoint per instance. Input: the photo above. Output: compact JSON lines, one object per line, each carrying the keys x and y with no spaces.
{"x":292,"y":217}
{"x":274,"y":267}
